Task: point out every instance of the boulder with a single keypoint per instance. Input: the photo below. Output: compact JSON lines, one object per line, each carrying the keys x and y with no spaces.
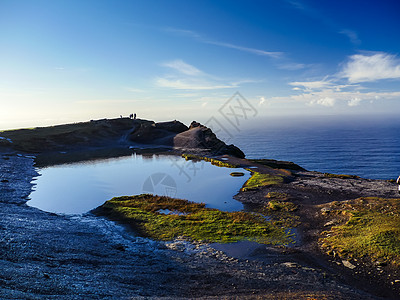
{"x":200,"y":137}
{"x":172,"y":126}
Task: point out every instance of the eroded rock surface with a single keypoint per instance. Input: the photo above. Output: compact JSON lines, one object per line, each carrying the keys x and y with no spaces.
{"x":44,"y":255}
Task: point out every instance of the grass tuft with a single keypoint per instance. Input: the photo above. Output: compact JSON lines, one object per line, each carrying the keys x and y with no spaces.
{"x":370,"y":229}
{"x":341,"y":176}
{"x":259,"y":179}
{"x":281,"y":206}
{"x":194,"y":221}
{"x":213,"y":161}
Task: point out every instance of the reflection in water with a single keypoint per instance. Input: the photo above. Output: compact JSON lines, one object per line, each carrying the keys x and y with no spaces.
{"x":80,"y":187}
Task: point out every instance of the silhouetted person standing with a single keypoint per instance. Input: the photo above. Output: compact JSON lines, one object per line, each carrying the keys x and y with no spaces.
{"x":134,"y":117}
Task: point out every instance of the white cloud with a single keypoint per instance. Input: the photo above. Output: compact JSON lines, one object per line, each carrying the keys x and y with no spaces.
{"x":352,"y":35}
{"x":272,"y":54}
{"x":188,"y":84}
{"x":354,"y":101}
{"x":330,"y":97}
{"x":368,"y":68}
{"x":292,"y":66}
{"x":182,"y":67}
{"x":196,"y":36}
{"x":309,"y":85}
{"x":349,"y":85}
{"x":327,"y":101}
{"x":188,"y":77}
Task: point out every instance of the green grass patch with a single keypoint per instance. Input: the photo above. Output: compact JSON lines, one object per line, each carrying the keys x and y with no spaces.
{"x":341,"y":176}
{"x":213,"y":161}
{"x":259,"y":179}
{"x":194,"y":221}
{"x":275,"y":205}
{"x":277,"y":195}
{"x":371,"y":230}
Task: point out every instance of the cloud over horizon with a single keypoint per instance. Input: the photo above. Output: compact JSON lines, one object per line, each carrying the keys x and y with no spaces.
{"x":368,"y":68}
{"x":359,"y":69}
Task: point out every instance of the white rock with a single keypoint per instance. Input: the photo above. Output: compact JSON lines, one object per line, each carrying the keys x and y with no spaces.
{"x":348,"y":264}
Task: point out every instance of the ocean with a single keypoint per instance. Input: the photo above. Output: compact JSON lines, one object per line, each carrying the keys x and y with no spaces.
{"x":367,"y":147}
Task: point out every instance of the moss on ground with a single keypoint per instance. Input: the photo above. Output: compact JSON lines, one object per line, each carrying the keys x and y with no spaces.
{"x":277,"y":196}
{"x":213,"y":161}
{"x":370,"y":229}
{"x":190,"y":219}
{"x":259,"y":179}
{"x":341,"y":176}
{"x":275,"y":205}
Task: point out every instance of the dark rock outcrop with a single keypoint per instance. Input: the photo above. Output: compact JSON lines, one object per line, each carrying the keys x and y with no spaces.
{"x":157,"y":133}
{"x":173,"y":126}
{"x":202,"y":138}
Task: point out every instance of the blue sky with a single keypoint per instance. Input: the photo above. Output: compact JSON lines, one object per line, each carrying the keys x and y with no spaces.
{"x":64,"y":61}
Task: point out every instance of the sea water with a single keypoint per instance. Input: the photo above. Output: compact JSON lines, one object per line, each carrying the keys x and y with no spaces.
{"x":367,"y":147}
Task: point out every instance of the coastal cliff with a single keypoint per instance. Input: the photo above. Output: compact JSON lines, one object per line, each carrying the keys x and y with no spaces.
{"x":118,"y":133}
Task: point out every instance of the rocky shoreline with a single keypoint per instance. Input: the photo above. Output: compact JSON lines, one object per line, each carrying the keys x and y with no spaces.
{"x":44,"y":255}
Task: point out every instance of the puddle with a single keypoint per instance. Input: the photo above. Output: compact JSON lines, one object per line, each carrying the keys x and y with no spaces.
{"x":171,"y":212}
{"x":240,"y":250}
{"x":80,"y":187}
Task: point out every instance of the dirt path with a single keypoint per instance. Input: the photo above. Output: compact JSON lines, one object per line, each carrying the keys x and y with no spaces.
{"x":43,"y":255}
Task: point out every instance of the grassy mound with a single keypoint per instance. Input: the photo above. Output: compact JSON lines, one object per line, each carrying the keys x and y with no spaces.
{"x":144,"y":214}
{"x":341,"y":176}
{"x":60,"y":136}
{"x":213,"y":161}
{"x":259,"y":179}
{"x":369,"y":229}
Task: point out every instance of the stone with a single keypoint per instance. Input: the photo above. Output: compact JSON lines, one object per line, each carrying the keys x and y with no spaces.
{"x":348,"y":264}
{"x":325,"y":210}
{"x":331,"y":223}
{"x":290,"y":265}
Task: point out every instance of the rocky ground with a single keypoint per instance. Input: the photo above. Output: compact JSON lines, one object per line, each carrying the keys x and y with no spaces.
{"x":313,"y":192}
{"x":46,"y":256}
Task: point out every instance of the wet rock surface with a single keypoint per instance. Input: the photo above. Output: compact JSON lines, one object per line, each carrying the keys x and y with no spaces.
{"x":44,"y":255}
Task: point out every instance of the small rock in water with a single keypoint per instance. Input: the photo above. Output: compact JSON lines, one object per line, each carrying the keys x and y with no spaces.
{"x":348,"y":264}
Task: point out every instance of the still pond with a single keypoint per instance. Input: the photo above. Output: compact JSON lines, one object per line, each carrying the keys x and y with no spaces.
{"x":77,"y":188}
